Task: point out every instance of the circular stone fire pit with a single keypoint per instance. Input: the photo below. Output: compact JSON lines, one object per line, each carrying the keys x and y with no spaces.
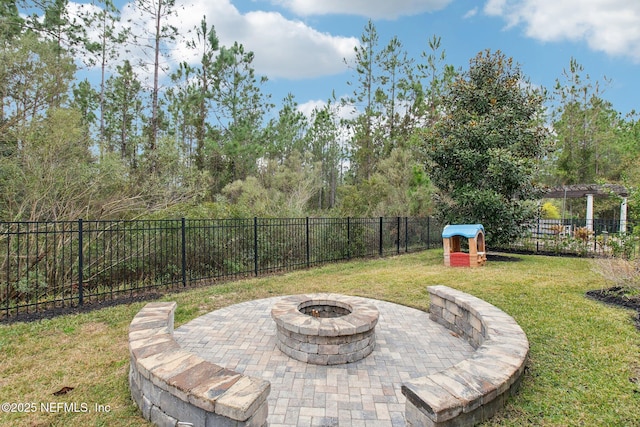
{"x":325,"y":329}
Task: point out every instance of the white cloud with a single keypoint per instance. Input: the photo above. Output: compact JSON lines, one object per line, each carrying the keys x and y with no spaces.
{"x":470,"y":14}
{"x":283,"y":48}
{"x":342,"y":112}
{"x":375,"y":9}
{"x":610,"y":26}
{"x":292,"y":49}
{"x":310,"y":106}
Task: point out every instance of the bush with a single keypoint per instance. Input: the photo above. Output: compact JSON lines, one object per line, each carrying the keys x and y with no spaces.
{"x":550,"y":211}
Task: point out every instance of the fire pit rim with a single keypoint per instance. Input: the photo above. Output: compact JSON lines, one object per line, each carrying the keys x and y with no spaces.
{"x":363,"y":316}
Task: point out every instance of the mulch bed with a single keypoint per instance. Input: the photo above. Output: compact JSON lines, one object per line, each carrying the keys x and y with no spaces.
{"x":618,"y":297}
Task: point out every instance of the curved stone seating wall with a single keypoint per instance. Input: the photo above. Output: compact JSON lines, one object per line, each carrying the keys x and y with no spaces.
{"x":471,"y":391}
{"x":175,"y":387}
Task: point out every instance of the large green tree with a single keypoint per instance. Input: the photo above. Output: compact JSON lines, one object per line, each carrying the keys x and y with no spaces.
{"x":11,"y":23}
{"x":287,"y":131}
{"x":483,"y":154}
{"x":323,"y":139}
{"x":367,"y":145}
{"x":240,"y":109}
{"x":400,"y":187}
{"x":198,"y":89}
{"x":34,"y":77}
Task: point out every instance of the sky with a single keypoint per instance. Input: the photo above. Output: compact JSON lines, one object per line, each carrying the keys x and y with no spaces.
{"x":301,"y":45}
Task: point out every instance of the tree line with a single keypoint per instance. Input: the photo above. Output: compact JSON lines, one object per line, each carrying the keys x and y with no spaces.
{"x":414,"y":137}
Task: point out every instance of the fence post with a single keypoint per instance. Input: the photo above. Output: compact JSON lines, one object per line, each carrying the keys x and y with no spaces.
{"x":184,"y":252}
{"x":348,"y":237}
{"x":80,"y":263}
{"x":398,"y":237}
{"x":538,"y":236}
{"x":406,"y":234}
{"x":255,"y":245}
{"x":307,"y":242}
{"x":428,"y":232}
{"x":380,"y":235}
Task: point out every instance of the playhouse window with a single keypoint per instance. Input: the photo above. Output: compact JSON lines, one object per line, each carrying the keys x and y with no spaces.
{"x":460,"y":244}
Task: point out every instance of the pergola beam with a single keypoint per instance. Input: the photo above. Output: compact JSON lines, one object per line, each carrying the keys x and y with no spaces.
{"x":581,"y":190}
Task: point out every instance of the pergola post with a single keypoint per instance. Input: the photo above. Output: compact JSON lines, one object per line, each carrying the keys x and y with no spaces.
{"x":590,"y":212}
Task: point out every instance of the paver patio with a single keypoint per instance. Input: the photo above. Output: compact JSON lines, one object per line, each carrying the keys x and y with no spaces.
{"x":242,"y":337}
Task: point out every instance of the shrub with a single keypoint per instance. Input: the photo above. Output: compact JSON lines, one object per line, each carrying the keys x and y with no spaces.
{"x":550,"y":211}
{"x":622,"y":272}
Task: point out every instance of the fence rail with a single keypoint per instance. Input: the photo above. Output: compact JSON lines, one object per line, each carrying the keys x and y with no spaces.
{"x":50,"y":265}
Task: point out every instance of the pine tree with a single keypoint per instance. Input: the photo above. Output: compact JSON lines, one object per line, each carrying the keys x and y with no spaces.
{"x":122,"y":111}
{"x":158,"y":11}
{"x":241,"y":106}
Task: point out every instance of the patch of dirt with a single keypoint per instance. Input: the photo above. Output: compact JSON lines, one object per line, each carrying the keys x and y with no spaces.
{"x":618,"y":296}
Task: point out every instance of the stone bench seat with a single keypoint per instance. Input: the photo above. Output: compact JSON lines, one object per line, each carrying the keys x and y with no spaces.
{"x":174,"y":387}
{"x":473,"y":390}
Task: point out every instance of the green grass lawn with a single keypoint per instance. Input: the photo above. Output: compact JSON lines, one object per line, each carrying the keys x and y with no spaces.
{"x":584,"y":365}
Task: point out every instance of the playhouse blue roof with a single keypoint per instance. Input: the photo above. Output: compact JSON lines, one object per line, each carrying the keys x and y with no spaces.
{"x":464,"y":230}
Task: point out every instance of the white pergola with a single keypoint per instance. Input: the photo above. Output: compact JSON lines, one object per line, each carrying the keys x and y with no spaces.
{"x":590,"y":191}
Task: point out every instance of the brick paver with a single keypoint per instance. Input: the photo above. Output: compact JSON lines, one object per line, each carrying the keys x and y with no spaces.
{"x":366,"y":393}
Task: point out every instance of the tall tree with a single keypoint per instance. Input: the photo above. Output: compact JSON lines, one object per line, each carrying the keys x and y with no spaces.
{"x":85,"y":100}
{"x":181,"y":98}
{"x":11,"y":23}
{"x":64,"y":31}
{"x":629,"y":139}
{"x":34,"y":76}
{"x":323,"y":139}
{"x":158,"y":11}
{"x":122,"y":110}
{"x":585,"y":126}
{"x":393,"y":93}
{"x":207,"y":43}
{"x":111,"y":38}
{"x":483,"y":155}
{"x":58,"y":25}
{"x":241,"y":106}
{"x":436,"y":75}
{"x":287,"y":131}
{"x":10,"y":28}
{"x":366,"y":144}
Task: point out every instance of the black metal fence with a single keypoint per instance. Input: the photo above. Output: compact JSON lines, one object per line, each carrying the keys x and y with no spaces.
{"x":49,"y":265}
{"x":576,"y":237}
{"x":44,"y":266}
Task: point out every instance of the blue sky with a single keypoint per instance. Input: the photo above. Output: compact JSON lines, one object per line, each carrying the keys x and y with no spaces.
{"x":300,"y":44}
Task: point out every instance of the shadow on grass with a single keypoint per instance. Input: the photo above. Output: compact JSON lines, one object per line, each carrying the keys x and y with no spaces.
{"x":493,"y":257}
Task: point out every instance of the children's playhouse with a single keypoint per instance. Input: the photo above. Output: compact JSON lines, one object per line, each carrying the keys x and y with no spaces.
{"x":454,"y":254}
